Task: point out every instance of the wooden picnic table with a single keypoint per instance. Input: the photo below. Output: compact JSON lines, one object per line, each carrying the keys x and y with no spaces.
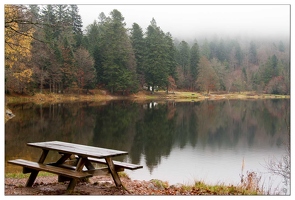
{"x":85,"y":156}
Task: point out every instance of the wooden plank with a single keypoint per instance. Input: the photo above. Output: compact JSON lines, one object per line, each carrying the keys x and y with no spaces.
{"x":48,"y":168}
{"x":117,"y":164}
{"x":34,"y":174}
{"x":63,"y":158}
{"x":93,"y":171}
{"x":79,"y":168}
{"x":113,"y":172}
{"x":78,"y":149}
{"x":99,"y":171}
{"x":72,"y":167}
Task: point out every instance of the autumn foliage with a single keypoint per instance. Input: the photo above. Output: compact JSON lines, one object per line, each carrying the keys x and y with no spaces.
{"x":18,"y":40}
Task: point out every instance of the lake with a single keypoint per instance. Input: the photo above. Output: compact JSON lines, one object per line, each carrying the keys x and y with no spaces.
{"x":179,"y":142}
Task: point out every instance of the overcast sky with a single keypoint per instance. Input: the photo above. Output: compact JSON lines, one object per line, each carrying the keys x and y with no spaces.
{"x":196,"y":20}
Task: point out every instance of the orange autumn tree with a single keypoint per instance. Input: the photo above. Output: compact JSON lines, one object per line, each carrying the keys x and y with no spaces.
{"x":18,"y":38}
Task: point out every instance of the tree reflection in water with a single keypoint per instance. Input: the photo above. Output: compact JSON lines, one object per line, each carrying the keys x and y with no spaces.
{"x":150,"y":131}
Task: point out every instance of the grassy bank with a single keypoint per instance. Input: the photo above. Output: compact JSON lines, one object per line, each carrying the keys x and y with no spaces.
{"x":99,"y":95}
{"x":21,"y":175}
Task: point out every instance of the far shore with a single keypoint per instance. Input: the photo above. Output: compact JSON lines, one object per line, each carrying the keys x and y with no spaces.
{"x":101,"y":95}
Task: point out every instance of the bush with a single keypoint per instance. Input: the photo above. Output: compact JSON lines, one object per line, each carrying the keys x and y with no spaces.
{"x":277,"y":85}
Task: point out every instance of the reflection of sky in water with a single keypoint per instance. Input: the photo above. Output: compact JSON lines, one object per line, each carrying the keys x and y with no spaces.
{"x":212,"y":166}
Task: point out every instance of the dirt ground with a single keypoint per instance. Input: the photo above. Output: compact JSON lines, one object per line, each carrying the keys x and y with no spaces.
{"x":94,"y":186}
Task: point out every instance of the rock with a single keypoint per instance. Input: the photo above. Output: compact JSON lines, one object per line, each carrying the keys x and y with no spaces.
{"x":151,"y":186}
{"x":105,"y":183}
{"x":9,"y":114}
{"x":157,"y":184}
{"x":178,"y":185}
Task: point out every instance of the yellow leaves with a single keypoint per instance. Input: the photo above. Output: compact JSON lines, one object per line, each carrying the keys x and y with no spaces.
{"x":17,"y":39}
{"x":24,"y":76}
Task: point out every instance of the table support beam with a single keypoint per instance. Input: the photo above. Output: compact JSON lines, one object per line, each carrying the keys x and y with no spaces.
{"x":79,"y":167}
{"x":113,"y":171}
{"x":34,"y":173}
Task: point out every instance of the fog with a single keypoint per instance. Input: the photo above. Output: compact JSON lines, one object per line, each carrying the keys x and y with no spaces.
{"x":193,"y":21}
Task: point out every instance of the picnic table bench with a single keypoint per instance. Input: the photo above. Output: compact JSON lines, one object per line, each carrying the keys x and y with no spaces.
{"x":80,"y":169}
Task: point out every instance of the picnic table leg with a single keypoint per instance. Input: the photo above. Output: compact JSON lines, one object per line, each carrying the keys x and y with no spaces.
{"x":63,"y":158}
{"x":34,"y":173}
{"x":79,"y":167}
{"x":113,"y":172}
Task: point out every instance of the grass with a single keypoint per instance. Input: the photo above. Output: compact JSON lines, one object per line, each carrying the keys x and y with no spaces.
{"x":21,"y":175}
{"x":196,"y":96}
{"x":160,"y":184}
{"x":123,"y":175}
{"x":222,"y":189}
{"x":98,"y":95}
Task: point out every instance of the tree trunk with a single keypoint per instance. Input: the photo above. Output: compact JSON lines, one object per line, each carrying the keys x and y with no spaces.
{"x":41,"y":81}
{"x":167,"y":88}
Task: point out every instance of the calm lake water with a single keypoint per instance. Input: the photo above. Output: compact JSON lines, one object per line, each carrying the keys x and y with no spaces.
{"x":175,"y":142}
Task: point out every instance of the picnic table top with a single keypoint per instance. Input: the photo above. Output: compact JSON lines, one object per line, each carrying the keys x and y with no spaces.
{"x":78,"y":149}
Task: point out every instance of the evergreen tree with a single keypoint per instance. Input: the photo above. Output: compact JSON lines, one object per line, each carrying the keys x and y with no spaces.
{"x":205,"y":50}
{"x":35,"y":11}
{"x":221,"y":51}
{"x":253,"y":53}
{"x":239,"y":54}
{"x":281,"y":46}
{"x":119,"y":65}
{"x":48,"y":18}
{"x":194,"y":62}
{"x":214,"y":49}
{"x":155,"y":62}
{"x":92,"y":43}
{"x":269,"y":69}
{"x":76,"y":22}
{"x":184,"y":56}
{"x":170,"y":60}
{"x":138,"y":47}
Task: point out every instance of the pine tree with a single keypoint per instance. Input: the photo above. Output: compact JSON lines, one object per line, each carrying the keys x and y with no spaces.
{"x":171,"y":60}
{"x":76,"y":23}
{"x":155,"y":62}
{"x":253,"y":53}
{"x":194,"y":62}
{"x":205,"y":49}
{"x":184,"y":56}
{"x":119,"y":65}
{"x":137,"y":41}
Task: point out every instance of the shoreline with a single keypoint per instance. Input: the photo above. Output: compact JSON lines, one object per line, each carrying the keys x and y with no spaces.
{"x":104,"y":185}
{"x":99,"y":95}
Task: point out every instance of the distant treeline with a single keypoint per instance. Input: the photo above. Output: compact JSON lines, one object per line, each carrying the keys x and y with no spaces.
{"x":45,"y":48}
